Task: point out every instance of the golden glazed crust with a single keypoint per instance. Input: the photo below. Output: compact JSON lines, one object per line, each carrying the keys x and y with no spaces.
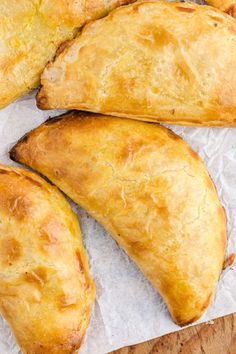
{"x":30,"y":32}
{"x":46,"y":293}
{"x":154,"y":61}
{"x":150,"y":191}
{"x":228,"y":6}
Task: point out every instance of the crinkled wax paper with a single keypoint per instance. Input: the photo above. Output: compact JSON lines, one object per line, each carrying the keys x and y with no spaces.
{"x":127,"y":309}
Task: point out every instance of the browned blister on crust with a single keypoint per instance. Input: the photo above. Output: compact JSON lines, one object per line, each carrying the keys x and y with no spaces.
{"x":228,"y":6}
{"x":46,"y":293}
{"x":149,"y":190}
{"x":153,"y":61}
{"x":31,"y":31}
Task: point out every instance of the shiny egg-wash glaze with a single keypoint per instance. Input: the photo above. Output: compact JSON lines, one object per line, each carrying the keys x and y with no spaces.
{"x":31,"y":31}
{"x":46,"y":293}
{"x":149,"y":190}
{"x":152,"y":60}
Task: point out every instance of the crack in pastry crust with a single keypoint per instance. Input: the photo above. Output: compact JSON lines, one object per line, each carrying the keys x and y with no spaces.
{"x":147,"y":61}
{"x":149,"y":190}
{"x":31,"y":32}
{"x":46,"y":293}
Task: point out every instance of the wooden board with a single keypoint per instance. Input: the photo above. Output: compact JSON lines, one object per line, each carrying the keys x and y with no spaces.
{"x":217,"y":337}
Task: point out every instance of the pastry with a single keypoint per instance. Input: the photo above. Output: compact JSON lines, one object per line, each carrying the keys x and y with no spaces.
{"x":154,"y":61}
{"x":46,"y":293}
{"x":148,"y":189}
{"x":228,"y":6}
{"x":31,"y":31}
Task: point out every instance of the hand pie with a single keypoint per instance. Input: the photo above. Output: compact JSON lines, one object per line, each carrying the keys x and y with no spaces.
{"x":154,"y":61}
{"x":149,"y":190}
{"x":228,"y":6}
{"x":46,"y":293}
{"x":31,"y":31}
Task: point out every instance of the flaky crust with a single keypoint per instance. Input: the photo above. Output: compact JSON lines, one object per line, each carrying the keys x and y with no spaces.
{"x":46,"y":293}
{"x":149,"y":190}
{"x":154,"y":61}
{"x":31,"y":31}
{"x":228,"y":6}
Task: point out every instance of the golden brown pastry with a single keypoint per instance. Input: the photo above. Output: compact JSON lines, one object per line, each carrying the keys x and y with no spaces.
{"x":228,"y":6}
{"x":46,"y":293}
{"x":149,"y":190}
{"x":31,"y":31}
{"x":154,"y":61}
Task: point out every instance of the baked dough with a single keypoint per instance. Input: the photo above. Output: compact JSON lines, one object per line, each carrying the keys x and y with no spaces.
{"x":46,"y":293}
{"x":30,"y":32}
{"x":155,"y":61}
{"x":149,"y":190}
{"x":228,"y":6}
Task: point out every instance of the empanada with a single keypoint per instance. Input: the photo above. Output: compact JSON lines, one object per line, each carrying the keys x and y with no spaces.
{"x":149,"y":190}
{"x":30,"y":32}
{"x":154,"y":61}
{"x":46,"y":293}
{"x":228,"y":6}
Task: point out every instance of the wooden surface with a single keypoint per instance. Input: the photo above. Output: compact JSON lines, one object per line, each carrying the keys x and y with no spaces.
{"x":217,"y":337}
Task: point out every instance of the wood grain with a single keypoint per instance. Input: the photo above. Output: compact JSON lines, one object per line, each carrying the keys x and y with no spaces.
{"x":217,"y":337}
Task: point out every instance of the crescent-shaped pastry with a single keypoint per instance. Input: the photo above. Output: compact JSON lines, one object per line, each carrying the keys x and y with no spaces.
{"x":46,"y":293}
{"x":152,"y":60}
{"x":228,"y":6}
{"x":31,"y":31}
{"x":149,"y":190}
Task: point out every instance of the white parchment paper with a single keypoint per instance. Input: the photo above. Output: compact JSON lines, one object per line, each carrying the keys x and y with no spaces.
{"x":127,"y":309}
